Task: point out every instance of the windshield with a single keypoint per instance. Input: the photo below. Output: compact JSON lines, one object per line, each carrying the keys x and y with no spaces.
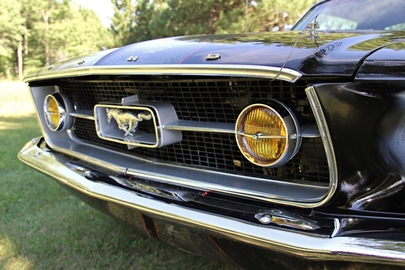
{"x":356,"y":15}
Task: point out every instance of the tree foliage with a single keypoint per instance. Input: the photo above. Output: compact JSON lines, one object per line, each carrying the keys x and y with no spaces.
{"x":12,"y":30}
{"x":122,"y":24}
{"x":34,"y":33}
{"x":147,"y":19}
{"x":276,"y":14}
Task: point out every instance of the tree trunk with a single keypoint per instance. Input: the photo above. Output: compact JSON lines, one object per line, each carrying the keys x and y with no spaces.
{"x":20,"y":60}
{"x":26,"y":43}
{"x":45,"y":17}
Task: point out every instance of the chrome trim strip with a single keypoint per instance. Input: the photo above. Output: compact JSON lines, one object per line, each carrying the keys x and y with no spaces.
{"x":326,"y":139}
{"x":310,"y":132}
{"x":197,"y":126}
{"x":177,"y":195}
{"x":281,"y":241}
{"x":85,"y":114}
{"x":284,"y":74}
{"x":297,"y":194}
{"x":286,"y":193}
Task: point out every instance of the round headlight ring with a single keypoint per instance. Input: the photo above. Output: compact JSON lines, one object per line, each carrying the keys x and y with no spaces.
{"x":56,"y":115}
{"x":267,"y":133}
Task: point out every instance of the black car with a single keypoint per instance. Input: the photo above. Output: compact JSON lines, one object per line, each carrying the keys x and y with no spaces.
{"x":259,"y":148}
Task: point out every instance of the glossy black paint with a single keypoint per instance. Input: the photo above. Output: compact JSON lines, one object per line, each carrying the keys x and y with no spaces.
{"x":331,"y":54}
{"x":365,"y":124}
{"x":387,"y":63}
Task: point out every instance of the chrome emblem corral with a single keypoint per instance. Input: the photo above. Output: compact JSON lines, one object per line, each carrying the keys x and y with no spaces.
{"x":136,"y":125}
{"x":127,"y":121}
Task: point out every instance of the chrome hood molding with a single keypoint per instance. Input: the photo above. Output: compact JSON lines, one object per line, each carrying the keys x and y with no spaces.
{"x":186,"y":69}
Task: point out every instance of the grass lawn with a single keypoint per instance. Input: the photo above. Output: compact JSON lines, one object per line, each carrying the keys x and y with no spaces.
{"x":42,"y":226}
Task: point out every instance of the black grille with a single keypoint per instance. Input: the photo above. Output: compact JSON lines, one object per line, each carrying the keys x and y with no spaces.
{"x":207,"y":99}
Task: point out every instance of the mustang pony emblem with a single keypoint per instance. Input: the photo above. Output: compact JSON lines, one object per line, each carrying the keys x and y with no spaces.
{"x":127,"y":121}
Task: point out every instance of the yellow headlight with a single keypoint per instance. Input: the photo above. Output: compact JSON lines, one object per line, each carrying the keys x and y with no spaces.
{"x":267,"y":135}
{"x":55,"y":113}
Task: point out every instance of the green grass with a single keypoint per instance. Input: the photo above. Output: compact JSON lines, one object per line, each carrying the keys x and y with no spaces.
{"x":42,"y":226}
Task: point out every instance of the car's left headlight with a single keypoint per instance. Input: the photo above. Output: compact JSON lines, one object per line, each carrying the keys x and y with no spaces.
{"x":56,"y":109}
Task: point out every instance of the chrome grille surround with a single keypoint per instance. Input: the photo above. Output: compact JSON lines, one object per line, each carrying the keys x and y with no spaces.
{"x":207,"y":140}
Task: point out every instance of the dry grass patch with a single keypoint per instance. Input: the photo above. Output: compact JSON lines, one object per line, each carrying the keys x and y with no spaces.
{"x":14,"y":99}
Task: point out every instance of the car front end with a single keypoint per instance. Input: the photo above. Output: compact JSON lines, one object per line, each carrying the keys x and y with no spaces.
{"x":288,"y":144}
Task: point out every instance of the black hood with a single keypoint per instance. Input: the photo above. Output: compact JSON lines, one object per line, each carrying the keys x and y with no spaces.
{"x":333,"y":54}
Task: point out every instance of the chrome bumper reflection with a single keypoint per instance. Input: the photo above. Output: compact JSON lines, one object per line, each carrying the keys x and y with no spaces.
{"x":292,"y":243}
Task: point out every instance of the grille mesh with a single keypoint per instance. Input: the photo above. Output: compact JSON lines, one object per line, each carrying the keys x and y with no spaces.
{"x":207,"y":99}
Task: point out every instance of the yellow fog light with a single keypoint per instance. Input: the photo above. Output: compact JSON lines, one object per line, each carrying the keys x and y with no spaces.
{"x":55,"y":112}
{"x":268,"y":134}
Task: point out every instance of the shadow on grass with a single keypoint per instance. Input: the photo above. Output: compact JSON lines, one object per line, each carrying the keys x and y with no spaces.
{"x":42,"y":226}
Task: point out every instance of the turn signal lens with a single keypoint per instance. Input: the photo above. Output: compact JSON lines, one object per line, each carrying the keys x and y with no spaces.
{"x":55,"y":113}
{"x":267,"y":135}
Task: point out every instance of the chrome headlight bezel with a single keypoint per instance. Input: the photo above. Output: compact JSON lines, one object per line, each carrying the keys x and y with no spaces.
{"x":282,"y":120}
{"x":56,"y":112}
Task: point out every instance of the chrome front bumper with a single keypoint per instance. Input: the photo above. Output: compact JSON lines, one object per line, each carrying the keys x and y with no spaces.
{"x":287,"y":242}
